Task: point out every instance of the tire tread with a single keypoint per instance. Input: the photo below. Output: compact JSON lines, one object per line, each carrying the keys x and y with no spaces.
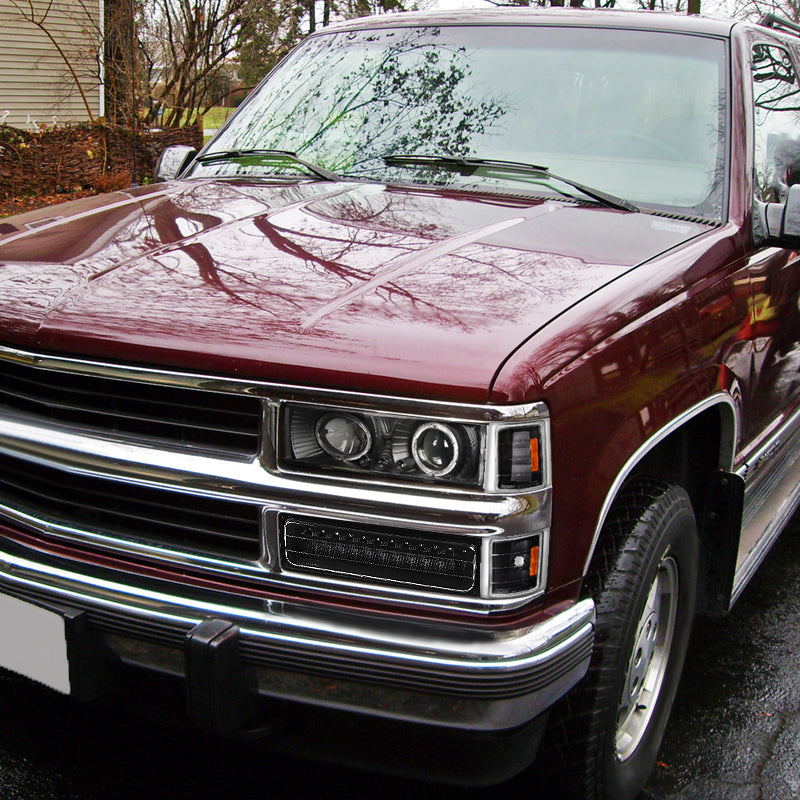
{"x":577,"y":723}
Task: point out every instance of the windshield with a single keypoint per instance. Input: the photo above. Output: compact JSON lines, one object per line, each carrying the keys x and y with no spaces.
{"x":638,"y":114}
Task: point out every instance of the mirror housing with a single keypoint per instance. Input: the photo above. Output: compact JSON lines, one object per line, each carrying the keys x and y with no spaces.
{"x":779,"y":223}
{"x":172,"y":161}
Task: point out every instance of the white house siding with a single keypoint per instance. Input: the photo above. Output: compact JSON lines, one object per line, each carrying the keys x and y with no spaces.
{"x":35,"y":83}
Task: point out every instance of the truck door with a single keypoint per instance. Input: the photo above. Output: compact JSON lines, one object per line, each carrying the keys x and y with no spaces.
{"x":774,"y":318}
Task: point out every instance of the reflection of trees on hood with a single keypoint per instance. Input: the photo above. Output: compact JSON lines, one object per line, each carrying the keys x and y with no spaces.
{"x":346,"y":101}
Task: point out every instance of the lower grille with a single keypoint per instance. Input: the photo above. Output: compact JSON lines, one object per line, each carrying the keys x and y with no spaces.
{"x":213,"y":526}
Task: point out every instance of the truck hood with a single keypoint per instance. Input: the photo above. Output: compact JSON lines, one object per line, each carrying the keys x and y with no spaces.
{"x":360,"y":286}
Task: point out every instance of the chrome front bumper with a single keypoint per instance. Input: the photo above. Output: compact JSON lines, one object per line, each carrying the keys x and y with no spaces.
{"x":442,"y":674}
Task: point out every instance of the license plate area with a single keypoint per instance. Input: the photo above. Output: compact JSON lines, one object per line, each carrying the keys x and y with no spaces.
{"x":33,"y":643}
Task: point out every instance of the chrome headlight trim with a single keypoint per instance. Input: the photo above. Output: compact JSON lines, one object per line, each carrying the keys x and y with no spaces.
{"x":487,"y":449}
{"x":392,"y":452}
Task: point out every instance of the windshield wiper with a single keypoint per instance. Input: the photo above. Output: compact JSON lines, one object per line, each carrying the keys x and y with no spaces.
{"x":468,"y":166}
{"x":273,"y":155}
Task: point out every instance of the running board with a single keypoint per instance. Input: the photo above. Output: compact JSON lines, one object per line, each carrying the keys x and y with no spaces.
{"x":765,"y":525}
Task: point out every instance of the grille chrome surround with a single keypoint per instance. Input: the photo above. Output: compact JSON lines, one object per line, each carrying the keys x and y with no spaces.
{"x":183,"y":474}
{"x":277,"y":392}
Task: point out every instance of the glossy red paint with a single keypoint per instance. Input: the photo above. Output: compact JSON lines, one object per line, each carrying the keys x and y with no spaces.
{"x":645,"y":349}
{"x":364,"y":287}
{"x":357,"y":286}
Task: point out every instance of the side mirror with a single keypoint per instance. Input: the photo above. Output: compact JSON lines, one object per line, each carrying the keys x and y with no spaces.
{"x":779,"y":223}
{"x":172,"y":161}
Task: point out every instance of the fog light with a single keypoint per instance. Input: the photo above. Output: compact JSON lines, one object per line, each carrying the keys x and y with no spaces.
{"x":435,"y":449}
{"x":381,"y":555}
{"x":343,"y":436}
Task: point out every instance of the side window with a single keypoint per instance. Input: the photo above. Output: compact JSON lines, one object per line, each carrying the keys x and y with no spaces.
{"x":776,"y":96}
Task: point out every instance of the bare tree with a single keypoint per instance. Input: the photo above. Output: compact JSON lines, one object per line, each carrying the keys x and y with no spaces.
{"x":678,"y":6}
{"x":265,"y":38}
{"x":755,"y":9}
{"x":184,"y":45}
{"x":120,"y":52}
{"x":268,"y":35}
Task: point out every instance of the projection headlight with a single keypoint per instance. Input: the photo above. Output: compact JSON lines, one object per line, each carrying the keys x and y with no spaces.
{"x":343,"y":436}
{"x":323,"y":439}
{"x":492,"y":456}
{"x":435,"y":448}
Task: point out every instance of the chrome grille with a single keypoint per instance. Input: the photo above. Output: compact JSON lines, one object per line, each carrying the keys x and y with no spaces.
{"x":150,"y":515}
{"x":187,"y":417}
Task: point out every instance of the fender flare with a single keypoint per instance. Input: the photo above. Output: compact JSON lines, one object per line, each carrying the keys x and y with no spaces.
{"x":730,"y":435}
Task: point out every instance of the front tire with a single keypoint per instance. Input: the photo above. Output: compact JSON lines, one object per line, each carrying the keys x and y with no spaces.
{"x":643,"y":579}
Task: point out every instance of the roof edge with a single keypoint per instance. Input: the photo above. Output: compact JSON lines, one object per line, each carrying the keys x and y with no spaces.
{"x":577,"y":17}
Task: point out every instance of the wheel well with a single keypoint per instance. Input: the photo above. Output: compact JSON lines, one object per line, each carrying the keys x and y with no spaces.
{"x":688,"y":456}
{"x":693,"y":457}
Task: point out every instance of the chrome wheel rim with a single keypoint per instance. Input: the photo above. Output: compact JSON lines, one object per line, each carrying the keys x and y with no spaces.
{"x":647,"y":664}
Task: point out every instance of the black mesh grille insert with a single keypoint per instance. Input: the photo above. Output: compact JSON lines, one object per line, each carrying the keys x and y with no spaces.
{"x":150,"y":515}
{"x":381,"y":554}
{"x":189,"y":417}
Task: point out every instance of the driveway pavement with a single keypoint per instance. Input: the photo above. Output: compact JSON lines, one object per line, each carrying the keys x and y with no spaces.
{"x":735,"y":730}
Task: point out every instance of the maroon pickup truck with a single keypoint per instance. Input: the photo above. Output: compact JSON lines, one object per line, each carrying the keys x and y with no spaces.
{"x":430,"y":401}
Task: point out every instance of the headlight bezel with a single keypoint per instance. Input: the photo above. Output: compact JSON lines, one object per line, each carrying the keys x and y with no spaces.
{"x":482,"y":438}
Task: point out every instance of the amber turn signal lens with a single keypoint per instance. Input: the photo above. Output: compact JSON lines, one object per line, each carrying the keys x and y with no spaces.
{"x":533,"y":569}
